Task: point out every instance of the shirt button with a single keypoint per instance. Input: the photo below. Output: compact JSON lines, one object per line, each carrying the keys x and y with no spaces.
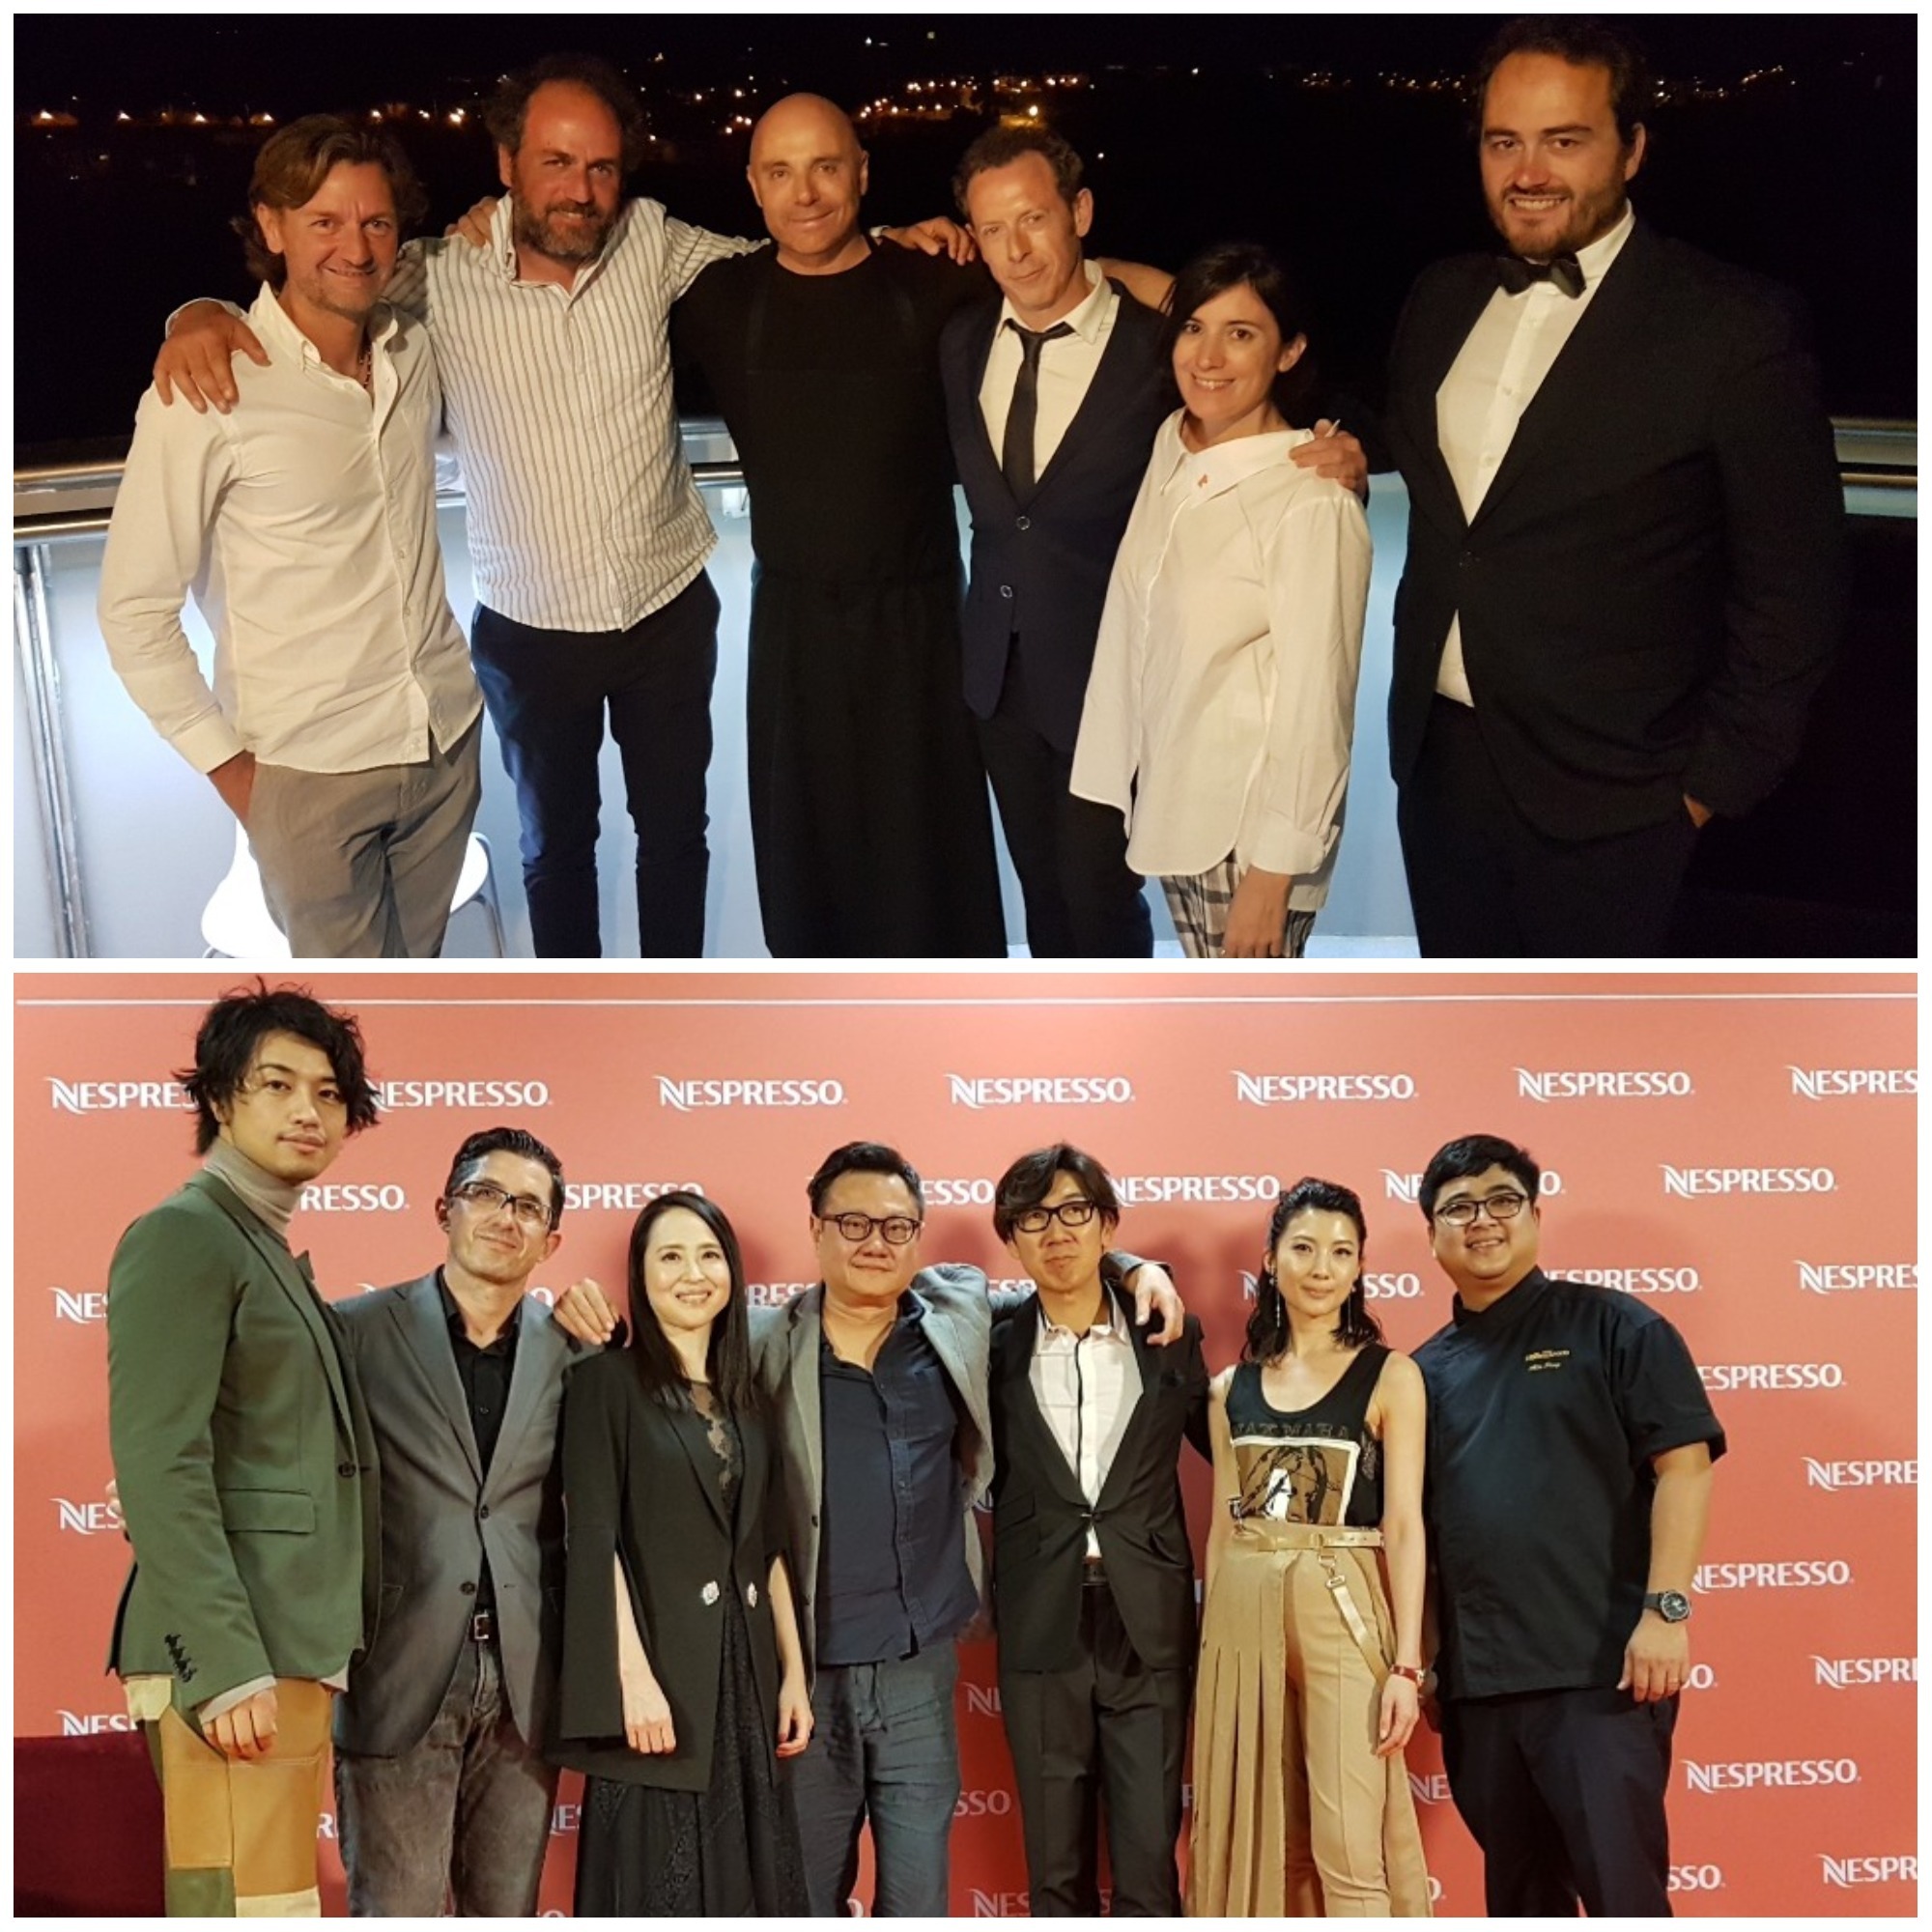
{"x":344,"y":1469}
{"x":1006,"y":591}
{"x":1022,"y":523}
{"x":483,"y":1512}
{"x":469,"y":1589}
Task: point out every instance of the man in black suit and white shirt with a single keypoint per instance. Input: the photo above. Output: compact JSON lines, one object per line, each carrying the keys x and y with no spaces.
{"x":1092,"y":1571}
{"x":1625,"y":523}
{"x":440,"y":1778}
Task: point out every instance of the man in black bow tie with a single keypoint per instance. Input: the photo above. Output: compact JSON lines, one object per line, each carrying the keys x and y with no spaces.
{"x":1625,"y":525}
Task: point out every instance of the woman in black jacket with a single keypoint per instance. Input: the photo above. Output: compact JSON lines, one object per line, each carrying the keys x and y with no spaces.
{"x":683,"y":1682}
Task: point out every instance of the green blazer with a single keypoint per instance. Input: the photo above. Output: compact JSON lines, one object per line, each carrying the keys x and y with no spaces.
{"x":244,"y":1455}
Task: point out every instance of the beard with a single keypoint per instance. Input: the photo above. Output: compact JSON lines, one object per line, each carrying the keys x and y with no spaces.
{"x":550,"y":235}
{"x":1582,"y":220}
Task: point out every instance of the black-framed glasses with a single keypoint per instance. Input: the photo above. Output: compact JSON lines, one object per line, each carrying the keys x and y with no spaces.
{"x":1505,"y":1205}
{"x":1074,"y":1213}
{"x":487,"y":1198}
{"x":859,"y":1229}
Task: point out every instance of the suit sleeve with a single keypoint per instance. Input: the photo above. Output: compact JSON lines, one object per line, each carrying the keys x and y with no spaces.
{"x":1784,"y":556}
{"x":172,"y":1293}
{"x":590,"y":1702}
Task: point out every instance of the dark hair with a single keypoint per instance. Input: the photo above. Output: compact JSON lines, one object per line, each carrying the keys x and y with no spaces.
{"x":1267,"y":1320}
{"x":1233,"y":265}
{"x":727,"y":1356}
{"x":863,"y":1157}
{"x":507,"y":1140}
{"x":236,"y":1024}
{"x":1474,"y":1153}
{"x":505,"y":111}
{"x":1584,"y":41}
{"x":295,"y":160}
{"x":1000,"y":147}
{"x":1029,"y":1179}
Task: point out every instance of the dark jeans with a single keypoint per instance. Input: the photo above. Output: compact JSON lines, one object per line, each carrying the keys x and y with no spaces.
{"x":1564,"y":1792}
{"x":885,"y":1749}
{"x":1106,"y":1731}
{"x":464,"y":1815}
{"x":546,"y":692}
{"x":1485,"y":883}
{"x":1083,"y":901}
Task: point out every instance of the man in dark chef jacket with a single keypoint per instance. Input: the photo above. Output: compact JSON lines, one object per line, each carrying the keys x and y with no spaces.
{"x":1569,"y":1480}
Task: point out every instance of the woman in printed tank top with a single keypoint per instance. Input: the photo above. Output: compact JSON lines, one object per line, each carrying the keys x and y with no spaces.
{"x":1310,"y":1662}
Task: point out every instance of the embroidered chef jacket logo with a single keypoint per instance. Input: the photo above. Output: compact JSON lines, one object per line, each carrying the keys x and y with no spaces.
{"x":1546,"y":1358}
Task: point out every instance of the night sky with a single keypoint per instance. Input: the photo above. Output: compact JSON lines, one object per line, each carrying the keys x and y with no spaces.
{"x":1195,"y":130}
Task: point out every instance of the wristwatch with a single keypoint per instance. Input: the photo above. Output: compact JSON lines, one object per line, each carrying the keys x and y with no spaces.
{"x":1672,"y":1605}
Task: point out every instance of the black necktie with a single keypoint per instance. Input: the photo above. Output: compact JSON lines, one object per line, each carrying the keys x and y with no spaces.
{"x":1016,"y":451}
{"x":1562,"y":271}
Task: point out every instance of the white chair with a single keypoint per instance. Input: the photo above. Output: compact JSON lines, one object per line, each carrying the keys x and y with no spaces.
{"x":237,"y":924}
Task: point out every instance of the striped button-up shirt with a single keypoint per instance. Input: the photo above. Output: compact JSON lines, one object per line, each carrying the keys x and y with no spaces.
{"x":305,"y":525}
{"x":582,"y":512}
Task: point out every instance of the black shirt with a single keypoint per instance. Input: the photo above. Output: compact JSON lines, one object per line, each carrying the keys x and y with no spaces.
{"x":892,"y":1554}
{"x":485,"y":1374}
{"x":1544,"y":1413}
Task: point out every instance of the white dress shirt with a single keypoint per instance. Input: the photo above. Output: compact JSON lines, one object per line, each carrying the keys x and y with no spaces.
{"x":1492,"y":381}
{"x":1067,"y":366}
{"x":304,"y":522}
{"x":1087,"y":1385}
{"x":582,"y":512}
{"x":1221,"y":706}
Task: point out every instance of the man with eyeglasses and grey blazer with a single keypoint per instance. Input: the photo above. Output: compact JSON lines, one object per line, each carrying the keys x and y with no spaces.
{"x":445,"y":1797}
{"x":1567,"y":1487}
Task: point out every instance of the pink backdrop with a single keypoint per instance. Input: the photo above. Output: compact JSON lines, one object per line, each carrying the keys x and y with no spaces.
{"x":1737,"y":1152}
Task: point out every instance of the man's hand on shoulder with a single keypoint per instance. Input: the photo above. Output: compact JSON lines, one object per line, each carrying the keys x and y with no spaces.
{"x":585,"y":1313}
{"x":473,"y":224}
{"x":1155,"y":1294}
{"x":196,"y":356}
{"x":936,"y":237}
{"x":1336,"y":455}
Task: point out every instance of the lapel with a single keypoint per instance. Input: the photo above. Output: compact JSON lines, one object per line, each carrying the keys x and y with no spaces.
{"x":540,"y":1355}
{"x":978,"y":349}
{"x":1141,"y":1419}
{"x":419,"y":1313}
{"x":801,"y":1385}
{"x":1019,"y":1342}
{"x":293,"y":1275}
{"x":1460,"y":308}
{"x":1615,"y":313}
{"x":694,"y":1439}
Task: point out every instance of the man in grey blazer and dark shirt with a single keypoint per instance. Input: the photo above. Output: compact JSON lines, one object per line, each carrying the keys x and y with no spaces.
{"x":443,"y":1794}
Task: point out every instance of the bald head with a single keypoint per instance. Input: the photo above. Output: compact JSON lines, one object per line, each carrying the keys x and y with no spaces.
{"x":807,"y":173}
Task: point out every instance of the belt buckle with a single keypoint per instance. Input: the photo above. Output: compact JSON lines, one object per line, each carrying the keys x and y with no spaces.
{"x":483,"y":1627}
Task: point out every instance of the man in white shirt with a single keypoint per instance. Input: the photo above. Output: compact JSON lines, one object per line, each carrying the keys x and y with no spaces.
{"x":1092,"y":1570}
{"x":342,"y":725}
{"x":1625,"y":525}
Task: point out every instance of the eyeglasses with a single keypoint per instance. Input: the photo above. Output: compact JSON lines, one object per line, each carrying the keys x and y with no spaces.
{"x":859,"y":1229}
{"x":1074,"y":1213}
{"x":487,"y":1198}
{"x":1504,"y":1206}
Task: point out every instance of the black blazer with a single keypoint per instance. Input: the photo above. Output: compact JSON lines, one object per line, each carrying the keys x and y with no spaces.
{"x":641,"y":1482}
{"x":1650,"y":592}
{"x":1039,"y":569}
{"x":1041,"y":1516}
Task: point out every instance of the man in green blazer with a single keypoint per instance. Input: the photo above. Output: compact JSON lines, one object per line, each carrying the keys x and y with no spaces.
{"x":244,"y":1462}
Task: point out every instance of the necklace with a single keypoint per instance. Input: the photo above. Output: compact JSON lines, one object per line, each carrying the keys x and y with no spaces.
{"x":365,"y":366}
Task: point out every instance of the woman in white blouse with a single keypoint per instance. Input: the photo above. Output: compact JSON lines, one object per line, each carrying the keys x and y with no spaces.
{"x":1221,"y":706}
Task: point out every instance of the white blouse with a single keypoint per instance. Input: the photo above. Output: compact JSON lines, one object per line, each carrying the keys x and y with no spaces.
{"x":1221,"y":706}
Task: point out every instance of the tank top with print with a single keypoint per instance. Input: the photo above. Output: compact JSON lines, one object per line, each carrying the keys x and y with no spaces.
{"x":1314,"y":1466}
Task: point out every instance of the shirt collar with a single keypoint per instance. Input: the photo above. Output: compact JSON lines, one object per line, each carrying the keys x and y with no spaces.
{"x":1109,"y":1323}
{"x":1209,"y":473}
{"x":1595,"y":259}
{"x":1094,"y":309}
{"x":452,"y":1313}
{"x":271,"y":322}
{"x":1522,"y":1297}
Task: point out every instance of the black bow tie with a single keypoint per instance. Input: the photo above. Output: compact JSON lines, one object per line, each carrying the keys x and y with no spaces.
{"x":1561,"y":271}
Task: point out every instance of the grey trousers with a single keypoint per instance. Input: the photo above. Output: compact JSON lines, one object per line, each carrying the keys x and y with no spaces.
{"x":463,"y":1816}
{"x":361,"y":865}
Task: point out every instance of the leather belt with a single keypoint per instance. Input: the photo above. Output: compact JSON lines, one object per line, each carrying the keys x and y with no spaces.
{"x":1094,"y":1572}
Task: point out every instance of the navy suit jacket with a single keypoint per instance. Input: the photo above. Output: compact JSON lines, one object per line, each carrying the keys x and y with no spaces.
{"x":1039,"y":568}
{"x":1650,"y":590}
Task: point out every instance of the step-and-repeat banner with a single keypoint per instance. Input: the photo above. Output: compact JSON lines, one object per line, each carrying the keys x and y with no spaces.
{"x":1737,"y":1153}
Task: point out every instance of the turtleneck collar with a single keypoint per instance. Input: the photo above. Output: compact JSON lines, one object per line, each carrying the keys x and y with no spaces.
{"x":271,"y":1201}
